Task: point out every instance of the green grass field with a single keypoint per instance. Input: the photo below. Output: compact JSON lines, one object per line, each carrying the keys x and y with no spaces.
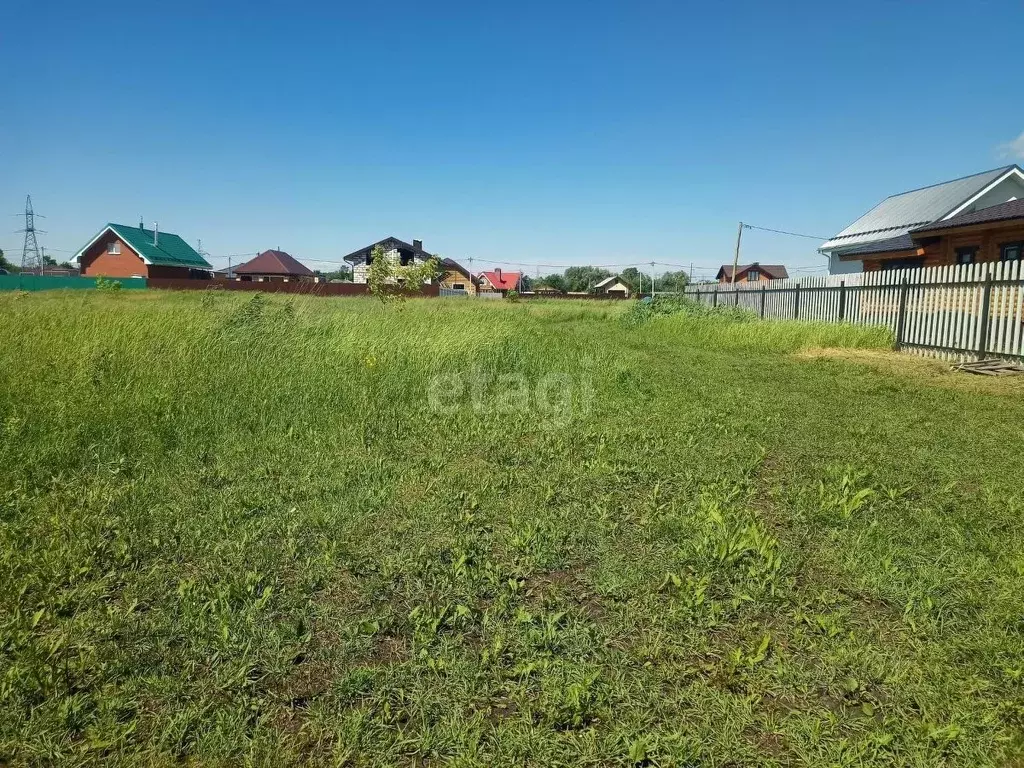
{"x":238,"y":529}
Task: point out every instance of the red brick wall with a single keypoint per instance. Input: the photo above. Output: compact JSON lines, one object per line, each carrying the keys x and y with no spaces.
{"x":97,"y":262}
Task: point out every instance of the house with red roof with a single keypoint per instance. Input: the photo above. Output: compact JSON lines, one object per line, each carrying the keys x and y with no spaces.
{"x":497,"y":280}
{"x":273,"y":265}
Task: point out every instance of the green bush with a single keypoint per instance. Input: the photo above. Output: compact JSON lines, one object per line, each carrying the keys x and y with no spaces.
{"x":647,"y":309}
{"x":106,"y":284}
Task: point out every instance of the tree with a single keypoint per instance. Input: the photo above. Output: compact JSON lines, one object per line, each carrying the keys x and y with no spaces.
{"x":583,"y":279}
{"x":672,"y":282}
{"x":391,"y":281}
{"x":556,"y":281}
{"x":343,"y":273}
{"x":5,"y":264}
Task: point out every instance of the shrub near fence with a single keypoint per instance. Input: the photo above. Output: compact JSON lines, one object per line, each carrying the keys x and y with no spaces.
{"x":962,"y":311}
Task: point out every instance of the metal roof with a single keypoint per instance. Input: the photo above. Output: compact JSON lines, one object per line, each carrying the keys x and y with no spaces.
{"x":388,"y":243}
{"x":890,"y":245}
{"x":274,"y":262}
{"x":898,"y":214}
{"x":1008,"y":211}
{"x":163,"y":248}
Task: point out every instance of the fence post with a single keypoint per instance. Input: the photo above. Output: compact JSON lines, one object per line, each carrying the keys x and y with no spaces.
{"x":902,"y":318}
{"x":796,"y":303}
{"x":986,"y":300}
{"x":737,"y":302}
{"x":714,"y":299}
{"x":842,"y":300}
{"x":764,"y":293}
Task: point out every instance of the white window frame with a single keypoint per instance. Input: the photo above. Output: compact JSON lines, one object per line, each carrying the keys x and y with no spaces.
{"x":114,"y":248}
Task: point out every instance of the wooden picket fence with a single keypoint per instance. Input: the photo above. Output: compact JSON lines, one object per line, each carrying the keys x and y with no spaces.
{"x":966,"y":311}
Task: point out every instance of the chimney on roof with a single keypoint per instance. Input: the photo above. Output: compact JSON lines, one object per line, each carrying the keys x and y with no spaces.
{"x":141,"y":224}
{"x":497,"y":273}
{"x":156,"y":233}
{"x":417,"y":244}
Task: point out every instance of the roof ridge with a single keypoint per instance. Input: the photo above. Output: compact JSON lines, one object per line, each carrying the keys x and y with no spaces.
{"x":952,"y":181}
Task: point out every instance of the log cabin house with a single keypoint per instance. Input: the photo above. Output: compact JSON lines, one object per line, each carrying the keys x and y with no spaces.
{"x":991,"y":234}
{"x":934,"y":226}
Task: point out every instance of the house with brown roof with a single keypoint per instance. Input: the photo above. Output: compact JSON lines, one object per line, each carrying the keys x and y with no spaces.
{"x":751,"y":273}
{"x":273,"y":266}
{"x":890,"y":235}
{"x":991,"y":234}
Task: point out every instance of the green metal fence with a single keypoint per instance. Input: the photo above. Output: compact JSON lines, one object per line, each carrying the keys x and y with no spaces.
{"x":22,"y":282}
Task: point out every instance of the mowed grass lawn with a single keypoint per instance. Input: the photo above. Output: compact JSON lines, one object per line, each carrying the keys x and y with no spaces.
{"x":238,"y":529}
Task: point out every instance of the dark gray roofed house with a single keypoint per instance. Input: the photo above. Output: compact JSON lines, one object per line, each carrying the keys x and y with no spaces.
{"x":400,"y":251}
{"x":992,"y":234}
{"x":897,"y":215}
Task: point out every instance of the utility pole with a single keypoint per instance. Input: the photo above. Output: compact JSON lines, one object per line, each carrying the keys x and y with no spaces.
{"x":654,"y":280}
{"x":736,"y":258}
{"x":30,"y":258}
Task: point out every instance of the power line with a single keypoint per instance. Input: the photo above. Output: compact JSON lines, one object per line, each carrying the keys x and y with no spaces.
{"x":523,"y":264}
{"x":784,"y":232}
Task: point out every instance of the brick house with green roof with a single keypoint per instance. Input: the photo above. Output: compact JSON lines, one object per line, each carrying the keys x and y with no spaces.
{"x":123,"y":251}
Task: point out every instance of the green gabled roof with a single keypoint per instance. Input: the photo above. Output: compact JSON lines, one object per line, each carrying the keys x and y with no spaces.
{"x":170,"y":251}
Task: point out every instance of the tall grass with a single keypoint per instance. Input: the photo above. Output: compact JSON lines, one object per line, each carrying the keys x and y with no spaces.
{"x":771,"y":336}
{"x":235,"y":530}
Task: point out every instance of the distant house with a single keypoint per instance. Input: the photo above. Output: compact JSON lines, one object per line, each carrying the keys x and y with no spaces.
{"x":613,"y":286}
{"x":456,"y":277}
{"x":497,"y":280}
{"x":893,"y":233}
{"x":276,"y":266}
{"x":123,"y":251}
{"x":752,"y":273}
{"x":399,"y":251}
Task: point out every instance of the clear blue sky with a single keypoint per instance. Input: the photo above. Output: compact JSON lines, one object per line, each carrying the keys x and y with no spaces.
{"x":528,"y":132}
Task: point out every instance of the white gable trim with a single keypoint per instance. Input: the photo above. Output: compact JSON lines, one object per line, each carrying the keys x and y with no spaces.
{"x":76,"y":258}
{"x":977,"y":196}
